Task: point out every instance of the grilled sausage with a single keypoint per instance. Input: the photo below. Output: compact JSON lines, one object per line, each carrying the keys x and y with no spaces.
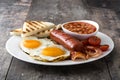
{"x":66,"y":40}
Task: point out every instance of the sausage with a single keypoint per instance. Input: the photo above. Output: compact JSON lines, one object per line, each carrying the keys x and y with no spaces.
{"x":66,"y":40}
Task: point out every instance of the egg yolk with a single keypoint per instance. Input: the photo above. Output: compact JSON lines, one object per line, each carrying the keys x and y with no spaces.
{"x":31,"y":44}
{"x":52,"y":51}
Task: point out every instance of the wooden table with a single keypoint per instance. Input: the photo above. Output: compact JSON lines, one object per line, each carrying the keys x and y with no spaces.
{"x":106,"y":12}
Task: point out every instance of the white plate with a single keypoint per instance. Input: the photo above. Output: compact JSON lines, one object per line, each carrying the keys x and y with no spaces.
{"x":13,"y":48}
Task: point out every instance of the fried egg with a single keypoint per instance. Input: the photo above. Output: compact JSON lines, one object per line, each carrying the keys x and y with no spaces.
{"x":44,"y":49}
{"x":32,"y":45}
{"x":54,"y":53}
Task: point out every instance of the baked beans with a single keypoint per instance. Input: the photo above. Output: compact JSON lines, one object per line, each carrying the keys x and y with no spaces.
{"x":80,"y":27}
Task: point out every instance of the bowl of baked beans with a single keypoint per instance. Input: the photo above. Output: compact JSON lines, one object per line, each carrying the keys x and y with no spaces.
{"x":81,"y":29}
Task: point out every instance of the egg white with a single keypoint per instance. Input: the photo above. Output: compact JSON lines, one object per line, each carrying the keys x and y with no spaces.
{"x":36,"y":53}
{"x":50,"y":58}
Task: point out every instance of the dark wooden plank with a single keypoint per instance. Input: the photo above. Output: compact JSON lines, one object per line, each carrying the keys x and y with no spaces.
{"x":12,"y":16}
{"x":114,"y":59}
{"x":8,"y":1}
{"x":15,"y":1}
{"x":25,"y":71}
{"x":111,"y":26}
{"x":59,"y":11}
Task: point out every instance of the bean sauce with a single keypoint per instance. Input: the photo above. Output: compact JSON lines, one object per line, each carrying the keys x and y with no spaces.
{"x":80,"y":27}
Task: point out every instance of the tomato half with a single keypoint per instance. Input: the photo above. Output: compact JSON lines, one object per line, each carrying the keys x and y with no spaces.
{"x":104,"y":47}
{"x":94,"y":41}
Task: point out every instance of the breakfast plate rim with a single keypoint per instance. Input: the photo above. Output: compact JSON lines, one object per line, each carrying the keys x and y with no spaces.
{"x":13,"y":43}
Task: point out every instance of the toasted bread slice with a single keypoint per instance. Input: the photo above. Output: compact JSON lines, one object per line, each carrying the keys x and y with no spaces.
{"x":16,"y":32}
{"x":46,"y":33}
{"x":33,"y":27}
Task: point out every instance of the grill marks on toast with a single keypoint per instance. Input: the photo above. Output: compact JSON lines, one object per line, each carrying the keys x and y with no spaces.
{"x":36,"y":23}
{"x":46,"y":33}
{"x":33,"y":27}
{"x":29,"y":27}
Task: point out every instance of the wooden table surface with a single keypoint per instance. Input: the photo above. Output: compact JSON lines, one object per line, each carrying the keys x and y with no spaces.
{"x":13,"y":13}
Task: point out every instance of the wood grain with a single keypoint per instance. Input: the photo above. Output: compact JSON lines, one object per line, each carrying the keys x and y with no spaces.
{"x":59,"y":11}
{"x":105,"y":12}
{"x":109,"y":20}
{"x":28,"y":71}
{"x":12,"y":15}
